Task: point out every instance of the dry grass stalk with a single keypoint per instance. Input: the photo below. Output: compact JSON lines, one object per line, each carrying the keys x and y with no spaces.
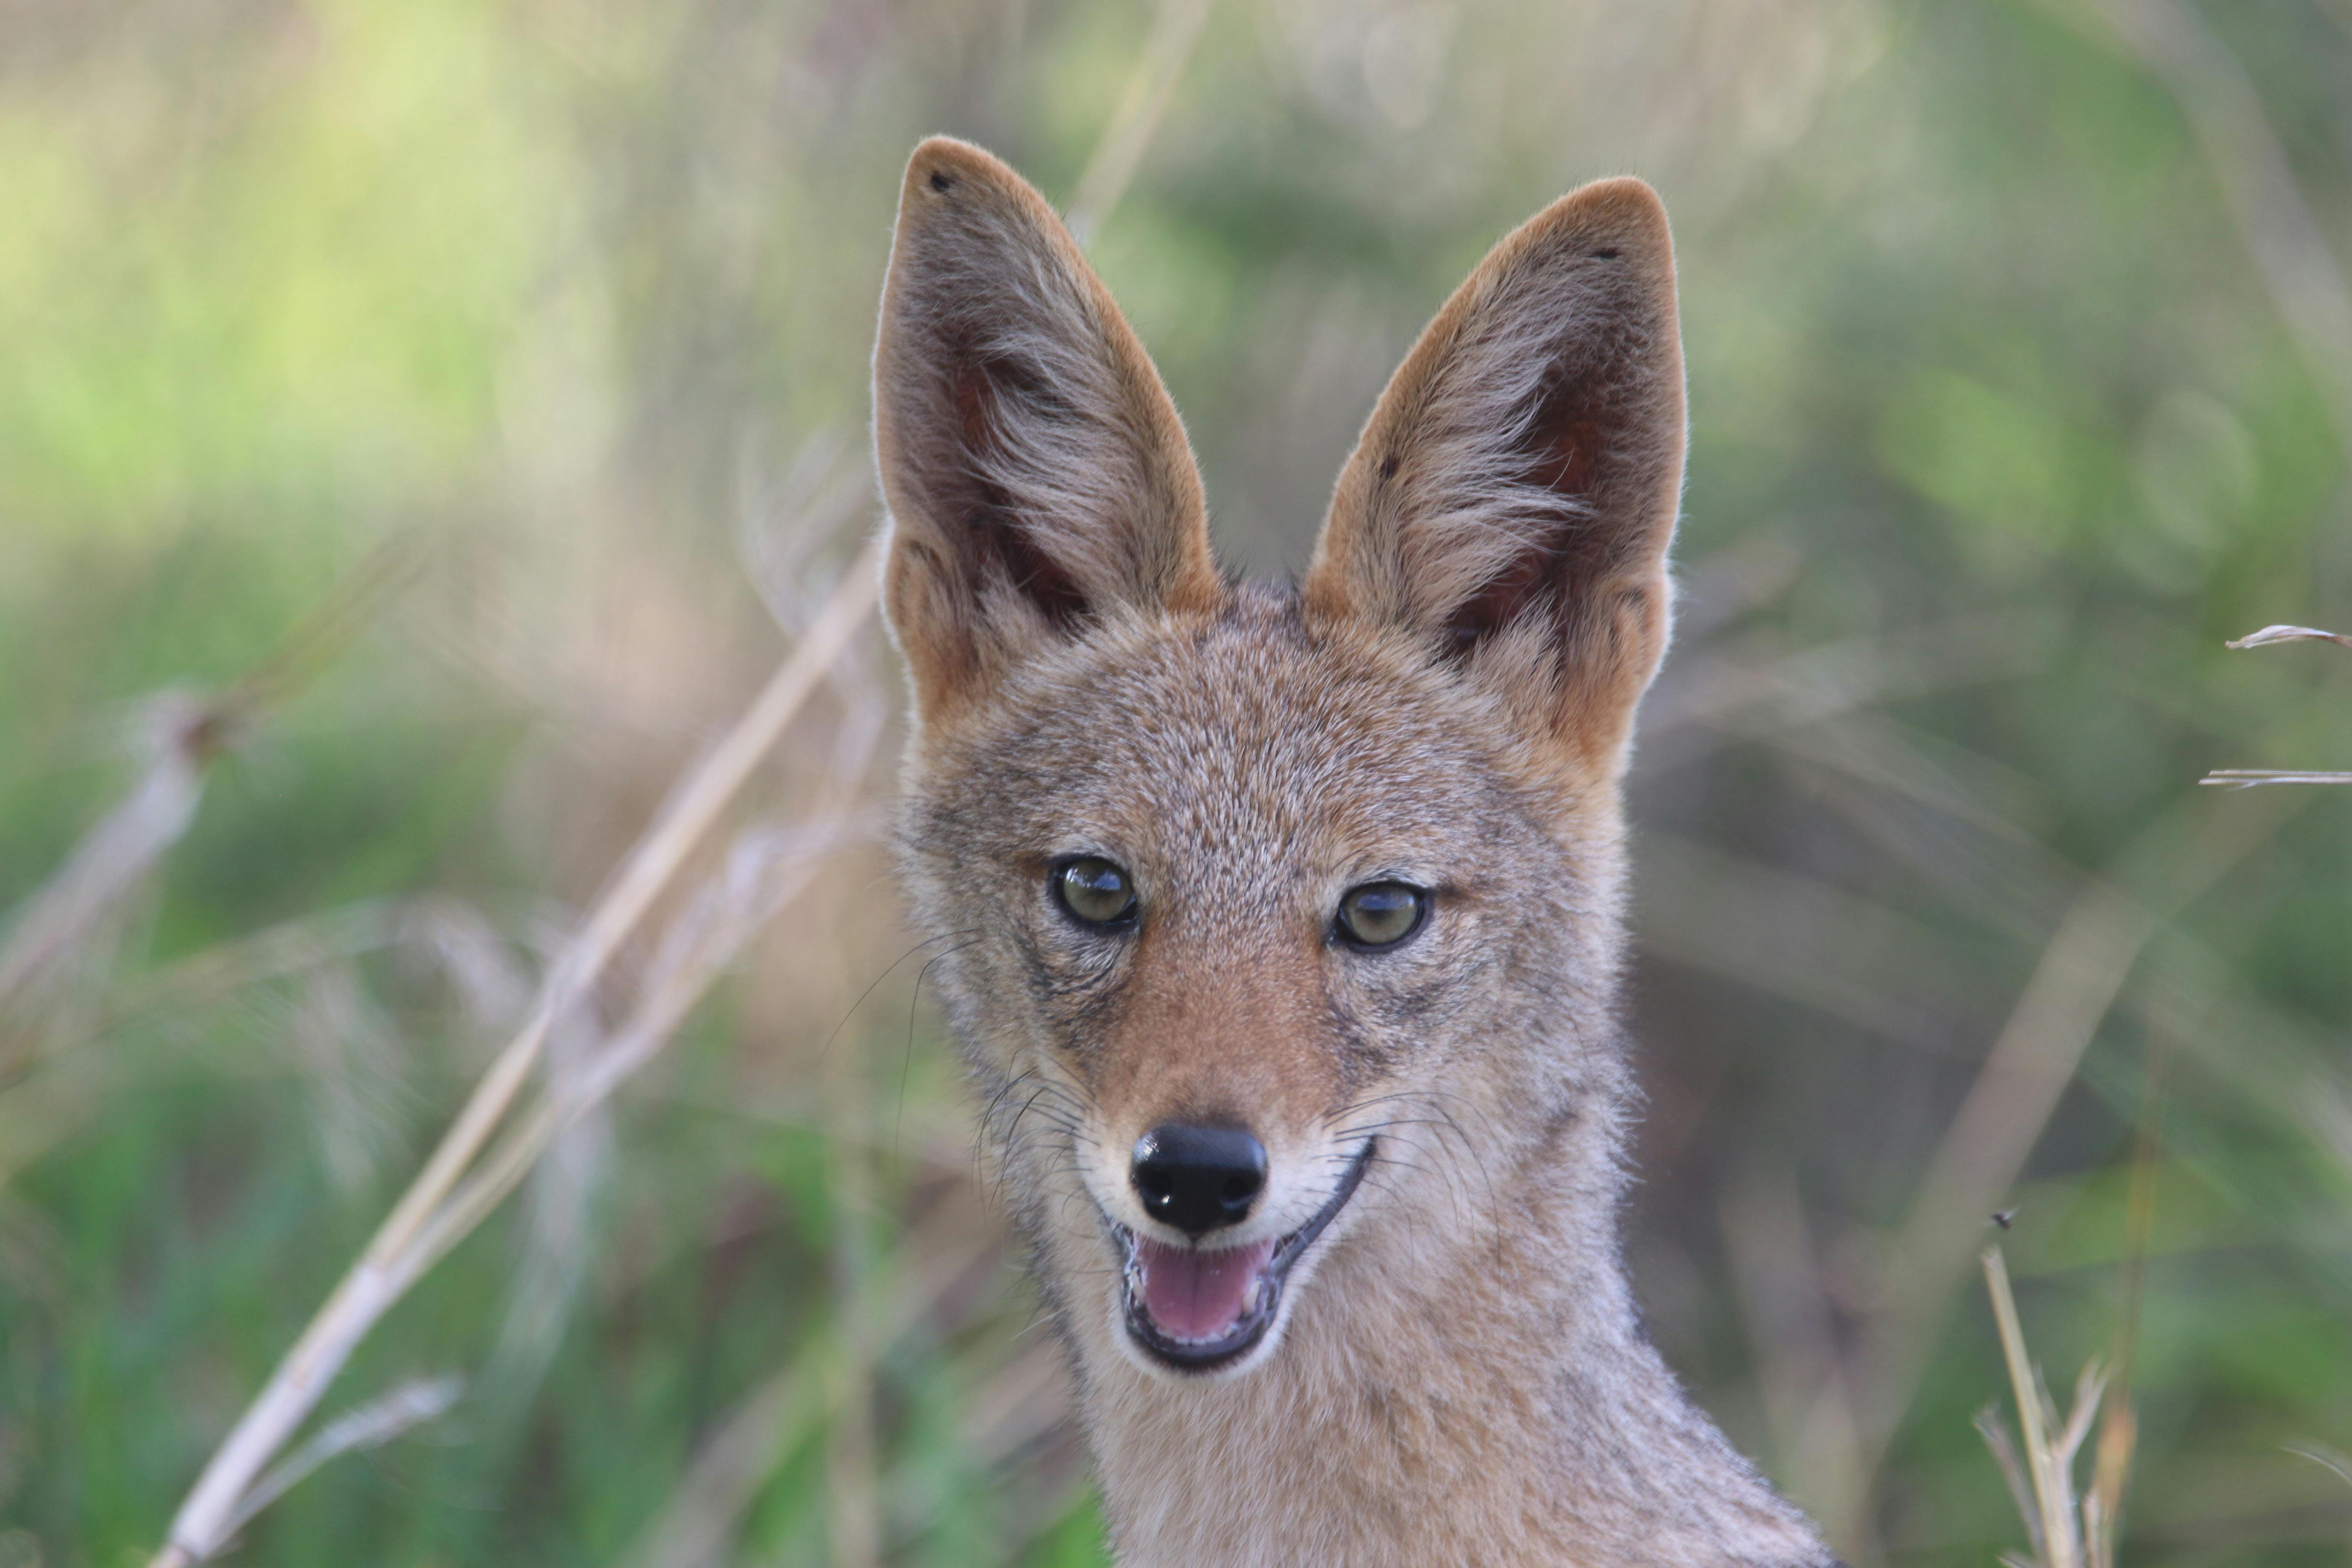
{"x":765,"y":868}
{"x":185,"y":734}
{"x":2269,"y":634}
{"x":296,"y":947}
{"x":2333,"y":1461}
{"x":1743,"y":694}
{"x":684,"y":820}
{"x":2277,"y":222}
{"x":1140,"y":105}
{"x":371,"y":1426}
{"x":698,"y":945}
{"x":2065,"y":1531}
{"x":459,"y":1185}
{"x":2081,"y":977}
{"x":2248,"y":778}
{"x":706,"y":1508}
{"x":52,"y":1100}
{"x":115,"y":855}
{"x":557,"y":1240}
{"x":757,"y":1436}
{"x":1834,"y":1428}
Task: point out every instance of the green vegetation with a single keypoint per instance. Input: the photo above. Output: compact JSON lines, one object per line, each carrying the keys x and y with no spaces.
{"x":483,"y":387}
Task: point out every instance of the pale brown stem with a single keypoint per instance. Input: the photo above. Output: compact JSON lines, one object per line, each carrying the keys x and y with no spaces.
{"x":2248,"y":778}
{"x":2082,"y":973}
{"x":394,"y":1258}
{"x":698,"y":1521}
{"x":2051,"y":1493}
{"x":188,"y":736}
{"x":404,"y":1246}
{"x":2270,"y":635}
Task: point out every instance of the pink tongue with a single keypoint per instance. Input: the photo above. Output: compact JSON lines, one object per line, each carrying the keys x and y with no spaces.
{"x":1194,"y":1295}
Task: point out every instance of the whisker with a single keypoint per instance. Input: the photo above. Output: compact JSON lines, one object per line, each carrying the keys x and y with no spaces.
{"x":852,"y":1010}
{"x":906,"y":1067}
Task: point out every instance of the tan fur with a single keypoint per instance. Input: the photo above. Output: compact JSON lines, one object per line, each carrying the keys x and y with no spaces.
{"x":1459,"y":1374}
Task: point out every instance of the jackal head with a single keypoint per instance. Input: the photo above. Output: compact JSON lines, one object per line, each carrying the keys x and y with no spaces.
{"x":1279,"y":925}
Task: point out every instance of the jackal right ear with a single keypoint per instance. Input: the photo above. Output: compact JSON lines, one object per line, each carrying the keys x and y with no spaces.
{"x":1035,"y":471}
{"x":1512,"y":496}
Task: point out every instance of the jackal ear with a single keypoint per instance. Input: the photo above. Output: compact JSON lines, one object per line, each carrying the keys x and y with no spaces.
{"x":1513,"y":492}
{"x":1035,"y":471}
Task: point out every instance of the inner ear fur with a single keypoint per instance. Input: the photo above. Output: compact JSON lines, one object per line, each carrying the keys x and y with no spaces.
{"x":1513,"y":494}
{"x":1035,"y":471}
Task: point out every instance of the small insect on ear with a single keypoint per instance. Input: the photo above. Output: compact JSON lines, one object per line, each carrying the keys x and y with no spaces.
{"x":1038,"y":475}
{"x":1512,"y":496}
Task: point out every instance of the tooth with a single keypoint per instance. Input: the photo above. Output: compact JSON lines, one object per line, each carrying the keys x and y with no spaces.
{"x":1249,"y":1297}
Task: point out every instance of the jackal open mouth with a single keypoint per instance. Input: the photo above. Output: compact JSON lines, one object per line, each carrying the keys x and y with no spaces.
{"x":1198,"y":1310}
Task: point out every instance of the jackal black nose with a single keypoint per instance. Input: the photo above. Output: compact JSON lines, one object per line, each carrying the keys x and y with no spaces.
{"x":1198,"y":1178}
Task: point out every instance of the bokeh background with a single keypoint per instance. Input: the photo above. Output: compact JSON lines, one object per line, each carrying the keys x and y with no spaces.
{"x":423,"y":427}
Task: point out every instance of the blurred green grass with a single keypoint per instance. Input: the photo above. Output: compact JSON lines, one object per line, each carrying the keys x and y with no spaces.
{"x":1999,"y":430}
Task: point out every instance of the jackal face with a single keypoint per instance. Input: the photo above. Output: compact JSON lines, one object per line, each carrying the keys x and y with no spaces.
{"x":1276,"y":924}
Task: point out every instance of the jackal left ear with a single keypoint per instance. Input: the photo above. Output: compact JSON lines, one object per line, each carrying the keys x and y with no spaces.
{"x":1038,"y":475}
{"x":1514,"y":491}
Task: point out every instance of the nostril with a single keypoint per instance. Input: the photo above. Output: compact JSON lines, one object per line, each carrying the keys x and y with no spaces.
{"x":1198,"y":1178}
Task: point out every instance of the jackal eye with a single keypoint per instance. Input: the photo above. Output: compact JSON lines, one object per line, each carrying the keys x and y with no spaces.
{"x":1094,"y":890}
{"x":1380,"y":914}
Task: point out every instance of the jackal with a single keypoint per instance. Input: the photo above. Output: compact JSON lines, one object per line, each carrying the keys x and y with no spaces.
{"x":1281,"y":926}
